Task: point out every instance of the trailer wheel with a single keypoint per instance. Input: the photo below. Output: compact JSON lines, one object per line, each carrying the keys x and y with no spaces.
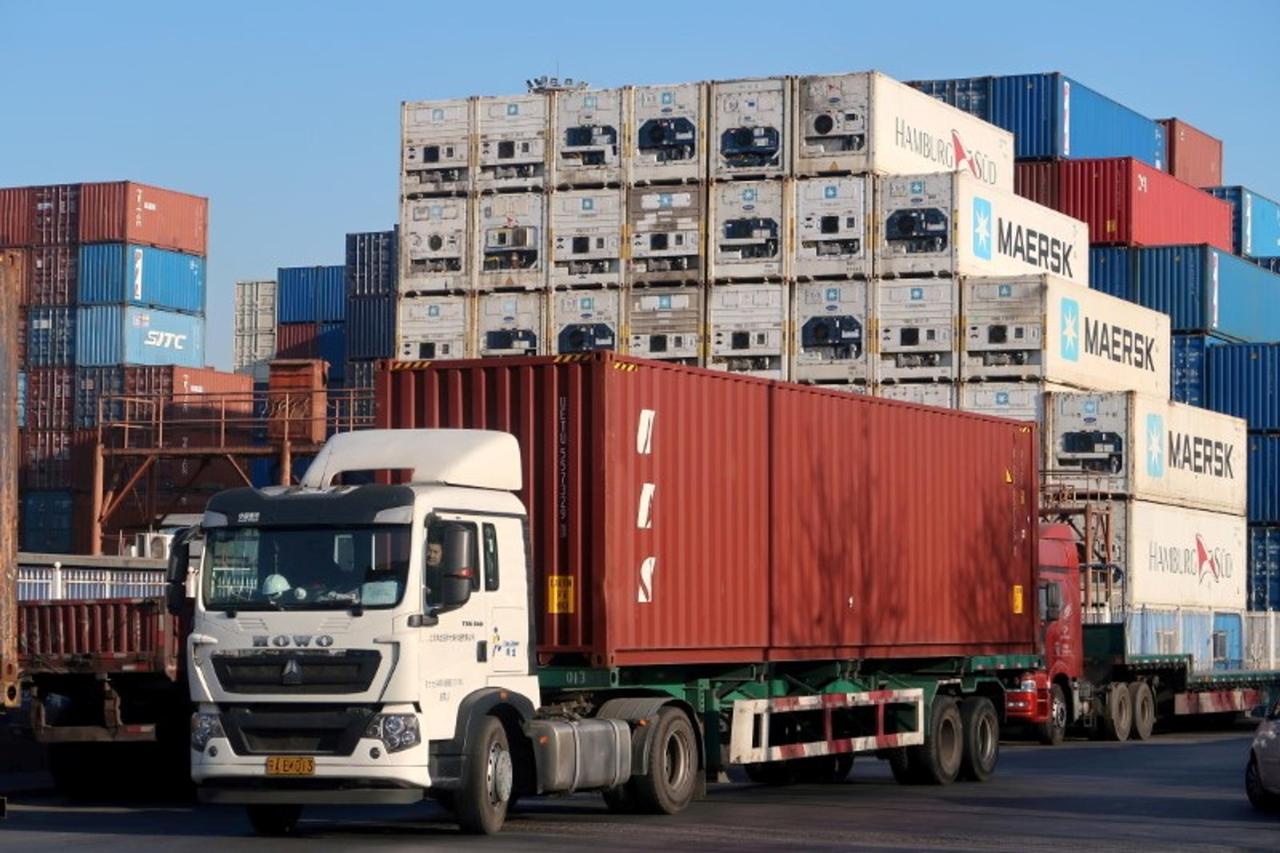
{"x":981,"y":738}
{"x":1054,"y":730}
{"x":1144,"y":709}
{"x":937,"y":761}
{"x":1118,"y":719}
{"x":902,"y":766}
{"x":274,"y":820}
{"x":670,"y":784}
{"x":481,"y":804}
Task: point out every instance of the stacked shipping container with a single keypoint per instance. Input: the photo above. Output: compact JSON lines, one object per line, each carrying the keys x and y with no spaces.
{"x":311,"y":311}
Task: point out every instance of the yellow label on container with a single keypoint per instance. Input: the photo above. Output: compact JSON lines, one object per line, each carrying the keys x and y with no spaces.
{"x":560,"y":597}
{"x":1017,"y":599}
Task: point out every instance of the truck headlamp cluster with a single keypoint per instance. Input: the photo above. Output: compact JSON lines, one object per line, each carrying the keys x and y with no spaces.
{"x":204,"y":728}
{"x":396,"y":731}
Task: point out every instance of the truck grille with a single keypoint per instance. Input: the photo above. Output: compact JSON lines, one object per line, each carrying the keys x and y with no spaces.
{"x":319,"y":731}
{"x":311,"y":672}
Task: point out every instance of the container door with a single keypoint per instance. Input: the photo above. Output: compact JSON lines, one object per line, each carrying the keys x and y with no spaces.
{"x":1228,"y":641}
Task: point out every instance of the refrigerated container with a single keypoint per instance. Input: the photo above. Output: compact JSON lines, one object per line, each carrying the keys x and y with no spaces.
{"x":111,"y":334}
{"x":869,"y":123}
{"x":1022,"y":401}
{"x":511,"y":241}
{"x":832,"y":323}
{"x":372,"y":258}
{"x":665,"y":323}
{"x":748,"y":231}
{"x":1244,"y":380}
{"x":127,"y":212}
{"x":750,"y":128}
{"x":832,"y":227}
{"x":510,"y":324}
{"x":52,"y":273}
{"x":667,"y":128}
{"x":436,"y":155}
{"x":311,"y":294}
{"x":435,"y":245}
{"x":747,"y":329}
{"x":140,"y":276}
{"x":1255,"y":222}
{"x":1194,"y":156}
{"x":588,"y":137}
{"x":585,"y":320}
{"x":586,"y":237}
{"x":916,"y":323}
{"x":1044,"y":327}
{"x":943,"y":395}
{"x":1177,"y":631}
{"x":511,"y":142}
{"x":434,"y":327}
{"x":954,"y":225}
{"x":665,"y":227}
{"x":1147,"y":448}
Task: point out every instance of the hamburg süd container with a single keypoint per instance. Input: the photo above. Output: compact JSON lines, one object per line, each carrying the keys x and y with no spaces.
{"x":311,"y":294}
{"x":741,"y":554}
{"x":1264,"y":479}
{"x":125,"y":212}
{"x":1052,"y":116}
{"x":52,"y":273}
{"x":870,"y":123}
{"x":123,"y":274}
{"x":51,"y":337}
{"x":112,"y":334}
{"x":1194,"y":156}
{"x":1244,"y":380}
{"x":1129,"y":203}
{"x":370,"y":327}
{"x":1044,"y":327}
{"x":1147,"y":448}
{"x":371,"y":263}
{"x":954,"y":225}
{"x":1255,"y":222}
{"x":832,"y":323}
{"x":750,"y":128}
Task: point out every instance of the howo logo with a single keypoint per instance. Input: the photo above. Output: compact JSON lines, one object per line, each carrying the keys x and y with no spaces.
{"x":165,"y":340}
{"x":284,"y":641}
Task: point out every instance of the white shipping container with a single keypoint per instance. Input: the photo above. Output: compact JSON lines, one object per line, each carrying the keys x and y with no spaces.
{"x":586,"y":238}
{"x":435,"y":246}
{"x":747,"y":327}
{"x":585,"y":320}
{"x":255,"y":306}
{"x":588,"y":137}
{"x":665,"y":323}
{"x":956,"y":225}
{"x":1170,"y":556}
{"x":1021,"y":401}
{"x":831,"y":320}
{"x":253,"y":352}
{"x":436,"y":152}
{"x":1033,"y":327}
{"x":512,"y":142}
{"x":748,"y":232}
{"x":1148,"y":448}
{"x":510,"y":241}
{"x":749,"y":120}
{"x":668,"y":127}
{"x":870,"y":123}
{"x":434,"y":327}
{"x":916,"y":330}
{"x":665,"y":227}
{"x":833,"y":227}
{"x":940,"y":394}
{"x":510,"y":324}
{"x":1262,"y":640}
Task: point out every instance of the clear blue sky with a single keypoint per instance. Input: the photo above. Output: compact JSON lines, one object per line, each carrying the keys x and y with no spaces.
{"x":286,"y":114}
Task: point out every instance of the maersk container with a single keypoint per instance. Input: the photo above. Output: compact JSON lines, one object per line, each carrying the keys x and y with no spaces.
{"x":742,"y":554}
{"x":51,"y":337}
{"x":1264,"y":479}
{"x":125,"y":274}
{"x":1022,"y":401}
{"x":1051,"y":116}
{"x":1255,"y":222}
{"x":311,"y":294}
{"x":1148,"y":448}
{"x":372,"y":259}
{"x":111,"y":334}
{"x":371,"y":327}
{"x":1264,"y":568}
{"x":1201,"y":288}
{"x":1244,"y":380}
{"x":46,"y":522}
{"x":1189,"y":378}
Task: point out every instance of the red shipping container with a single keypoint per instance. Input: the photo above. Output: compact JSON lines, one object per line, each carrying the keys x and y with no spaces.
{"x":298,"y":340}
{"x":297,"y":400}
{"x":125,"y":212}
{"x":15,"y":217}
{"x":679,"y":515}
{"x":57,"y":459}
{"x":51,"y":398}
{"x":1194,"y":156}
{"x":1128,"y":203}
{"x":51,"y":275}
{"x":55,"y":215}
{"x":1037,"y":180}
{"x":130,"y":635}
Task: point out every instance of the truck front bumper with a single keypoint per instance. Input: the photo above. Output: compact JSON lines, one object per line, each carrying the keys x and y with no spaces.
{"x":331,"y":792}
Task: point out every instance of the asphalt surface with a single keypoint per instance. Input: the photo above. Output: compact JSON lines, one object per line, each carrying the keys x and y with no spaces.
{"x":1179,"y":791}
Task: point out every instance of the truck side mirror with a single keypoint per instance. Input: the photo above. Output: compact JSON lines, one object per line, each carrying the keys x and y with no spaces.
{"x":176,"y":573}
{"x":459,"y":573}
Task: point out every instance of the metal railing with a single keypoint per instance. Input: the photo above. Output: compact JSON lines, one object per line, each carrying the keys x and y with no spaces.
{"x":59,"y":583}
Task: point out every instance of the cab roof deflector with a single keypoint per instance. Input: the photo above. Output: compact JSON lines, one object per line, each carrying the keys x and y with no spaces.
{"x":482,"y":459}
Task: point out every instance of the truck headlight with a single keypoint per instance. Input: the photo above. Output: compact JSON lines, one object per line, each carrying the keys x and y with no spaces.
{"x":204,"y":728}
{"x":1028,"y":685}
{"x":396,"y":731}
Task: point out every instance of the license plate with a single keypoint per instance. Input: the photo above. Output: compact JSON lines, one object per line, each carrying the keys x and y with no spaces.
{"x":291,"y":765}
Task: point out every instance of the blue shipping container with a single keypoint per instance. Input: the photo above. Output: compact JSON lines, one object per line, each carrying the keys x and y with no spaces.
{"x":46,"y":519}
{"x":1201,"y":288}
{"x":22,"y":399}
{"x":1264,"y":568}
{"x":1190,"y":368}
{"x":1228,"y":649}
{"x":331,"y":345}
{"x":1244,"y":380}
{"x":1264,"y":478}
{"x":1051,"y":115}
{"x":371,"y":327}
{"x":51,"y":337}
{"x":1255,"y":222}
{"x":111,"y":334}
{"x":120,"y":274}
{"x":311,"y":294}
{"x":1171,"y":632}
{"x":372,"y":263}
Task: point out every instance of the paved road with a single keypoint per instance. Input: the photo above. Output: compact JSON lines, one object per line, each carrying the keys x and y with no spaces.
{"x":1180,"y":791}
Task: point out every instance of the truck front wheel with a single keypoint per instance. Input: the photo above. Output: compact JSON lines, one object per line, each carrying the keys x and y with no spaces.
{"x":981,"y":738}
{"x":1054,"y":730}
{"x":274,"y":820}
{"x":481,"y":803}
{"x":669,"y":784}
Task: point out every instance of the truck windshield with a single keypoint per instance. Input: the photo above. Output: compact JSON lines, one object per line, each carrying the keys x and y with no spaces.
{"x":303,"y":568}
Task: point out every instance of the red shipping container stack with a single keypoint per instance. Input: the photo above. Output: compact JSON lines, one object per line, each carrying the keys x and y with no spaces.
{"x":298,"y":340}
{"x":51,"y":398}
{"x":55,"y":215}
{"x":15,"y":217}
{"x":125,"y":212}
{"x":1037,"y":180}
{"x":51,"y":275}
{"x":1194,"y":156}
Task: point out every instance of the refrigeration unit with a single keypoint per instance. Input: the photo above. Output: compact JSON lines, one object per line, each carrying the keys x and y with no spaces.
{"x":916,"y":330}
{"x":748,"y":231}
{"x":833,"y":228}
{"x":510,"y":238}
{"x":749,"y":120}
{"x":585,"y":320}
{"x":664,"y":225}
{"x":510,"y":324}
{"x":747,"y":329}
{"x":434,"y":245}
{"x":586,"y":238}
{"x":434,"y":327}
{"x":436,"y":156}
{"x":588,"y":138}
{"x":665,"y":323}
{"x":667,"y":127}
{"x":830,"y":320}
{"x":511,"y":143}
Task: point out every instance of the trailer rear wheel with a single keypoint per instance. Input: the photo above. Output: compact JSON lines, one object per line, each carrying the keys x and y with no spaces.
{"x":981,"y":738}
{"x":670,"y":783}
{"x":902,"y":766}
{"x":1054,"y":730}
{"x":1118,"y":719}
{"x":274,"y":820}
{"x":1144,"y":709}
{"x":937,"y":761}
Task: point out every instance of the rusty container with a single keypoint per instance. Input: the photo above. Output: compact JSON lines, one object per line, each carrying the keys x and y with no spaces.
{"x":12,"y":280}
{"x":297,"y":401}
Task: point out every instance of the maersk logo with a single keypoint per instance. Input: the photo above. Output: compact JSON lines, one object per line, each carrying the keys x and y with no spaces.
{"x":981,"y":228}
{"x":588,"y":204}
{"x":1005,"y":291}
{"x":513,"y":109}
{"x":829,"y":192}
{"x":917,"y":294}
{"x":1070,"y":342}
{"x":664,"y":200}
{"x":1002,"y":398}
{"x":1033,"y":248}
{"x":1155,"y":446}
{"x":433,"y":310}
{"x":749,"y":195}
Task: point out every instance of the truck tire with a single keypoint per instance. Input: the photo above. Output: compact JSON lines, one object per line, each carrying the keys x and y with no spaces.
{"x":981,"y":729}
{"x":622,"y":799}
{"x":481,"y":802}
{"x":1143,"y":703}
{"x":903,"y":768}
{"x":274,"y":821}
{"x":1054,"y":730}
{"x":1118,"y":717}
{"x":671,"y":781}
{"x":937,"y":761}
